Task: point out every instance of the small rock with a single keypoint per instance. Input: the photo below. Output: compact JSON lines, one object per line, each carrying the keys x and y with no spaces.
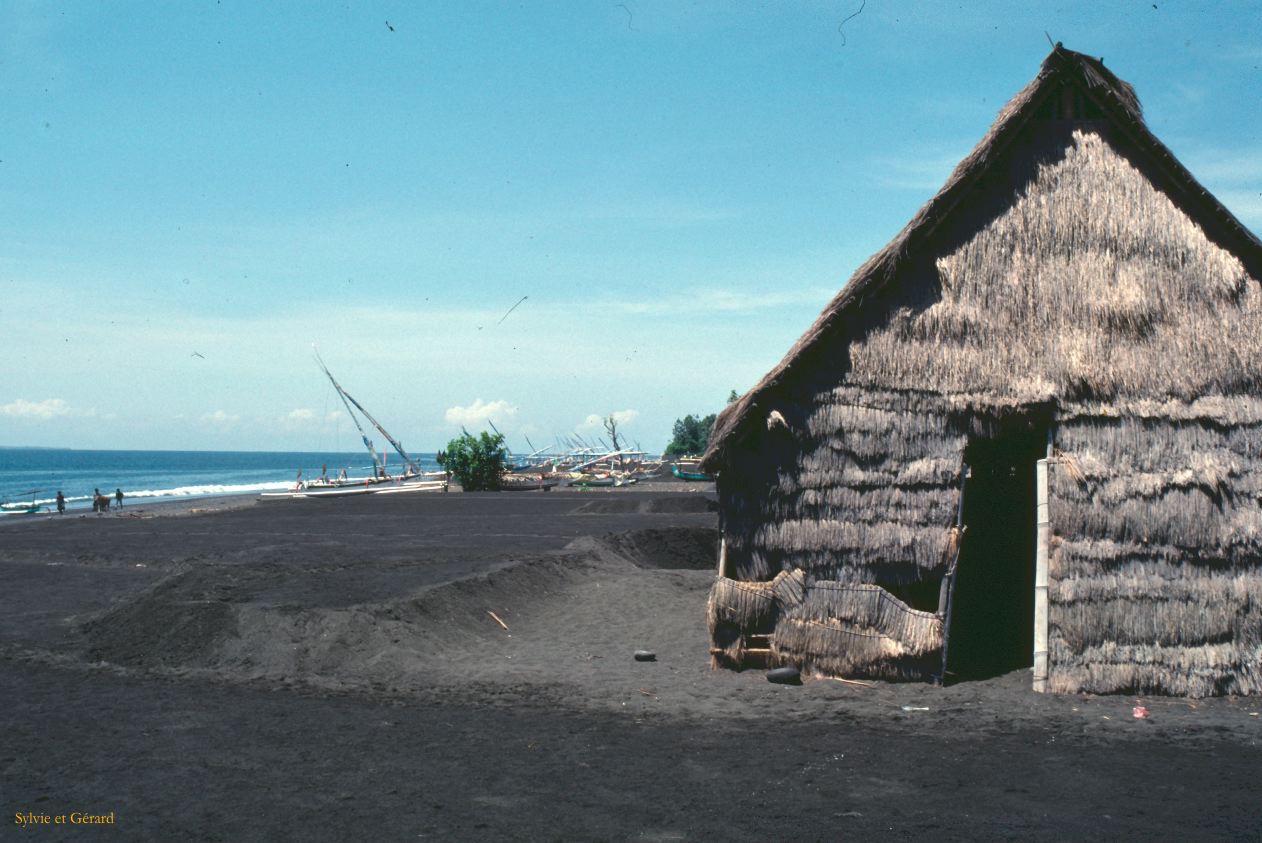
{"x":645,"y":656}
{"x":785,"y":676}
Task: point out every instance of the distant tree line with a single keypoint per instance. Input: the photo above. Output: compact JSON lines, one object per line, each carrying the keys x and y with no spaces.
{"x":691,"y":434}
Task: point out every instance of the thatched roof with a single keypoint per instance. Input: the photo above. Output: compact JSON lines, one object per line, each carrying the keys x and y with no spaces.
{"x":1116,"y":103}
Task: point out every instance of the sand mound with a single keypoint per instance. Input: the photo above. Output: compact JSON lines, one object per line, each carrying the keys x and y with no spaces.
{"x":573,"y":618}
{"x":674,"y":504}
{"x":676,"y":548}
{"x":177,"y":622}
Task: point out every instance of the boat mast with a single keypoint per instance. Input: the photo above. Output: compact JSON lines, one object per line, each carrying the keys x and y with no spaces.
{"x":347,"y":396}
{"x":372,"y":452}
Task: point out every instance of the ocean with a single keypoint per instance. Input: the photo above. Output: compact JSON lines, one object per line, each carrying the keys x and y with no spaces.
{"x":38,"y":473}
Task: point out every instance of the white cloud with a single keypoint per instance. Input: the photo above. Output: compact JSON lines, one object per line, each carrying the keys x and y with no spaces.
{"x":220,"y":419}
{"x":592,"y":424}
{"x":479,"y":412}
{"x":595,"y":423}
{"x":298,"y":419}
{"x":41,"y":410}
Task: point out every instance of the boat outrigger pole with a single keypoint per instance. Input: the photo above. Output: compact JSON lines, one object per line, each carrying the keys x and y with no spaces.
{"x":378,"y":471}
{"x":346,"y":396}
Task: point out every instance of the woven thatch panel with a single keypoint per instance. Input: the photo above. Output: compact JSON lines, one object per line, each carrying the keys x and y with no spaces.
{"x":855,"y":492}
{"x":871,"y":608}
{"x":892,"y":504}
{"x":1190,"y":621}
{"x":825,"y":468}
{"x":1075,"y":564}
{"x":1187,"y":518}
{"x":1208,"y":670}
{"x":1225,"y":410}
{"x":751,"y":606}
{"x":869,"y":434}
{"x":837,"y":544}
{"x":1156,"y":569}
{"x":1189,"y":485}
{"x":789,"y":587}
{"x":834,"y":648}
{"x":734,"y":610}
{"x":1164,"y":581}
{"x":1111,"y":447}
{"x":824,"y":627}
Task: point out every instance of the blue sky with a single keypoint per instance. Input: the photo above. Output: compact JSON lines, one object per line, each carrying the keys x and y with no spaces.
{"x":191,"y":194}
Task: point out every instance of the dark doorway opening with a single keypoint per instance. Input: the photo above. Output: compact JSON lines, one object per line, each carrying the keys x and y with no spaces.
{"x":992,"y":603}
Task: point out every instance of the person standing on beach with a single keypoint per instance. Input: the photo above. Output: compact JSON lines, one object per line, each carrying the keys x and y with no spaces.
{"x":61,"y":503}
{"x":118,"y":496}
{"x":96,"y":500}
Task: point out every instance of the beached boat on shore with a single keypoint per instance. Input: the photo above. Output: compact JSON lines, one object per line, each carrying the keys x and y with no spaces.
{"x":346,"y":491}
{"x":592,"y":480}
{"x":518,"y":483}
{"x":686,"y":470}
{"x":22,"y":507}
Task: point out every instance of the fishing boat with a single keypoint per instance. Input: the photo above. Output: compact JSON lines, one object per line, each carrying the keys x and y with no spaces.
{"x":518,"y":483}
{"x":592,"y":480}
{"x":416,"y":486}
{"x":413,"y":478}
{"x":22,"y":507}
{"x":689,"y":470}
{"x":411,"y":468}
{"x":347,"y":491}
{"x":334,"y":492}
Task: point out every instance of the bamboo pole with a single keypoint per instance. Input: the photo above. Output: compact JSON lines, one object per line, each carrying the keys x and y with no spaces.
{"x":1043,"y":535}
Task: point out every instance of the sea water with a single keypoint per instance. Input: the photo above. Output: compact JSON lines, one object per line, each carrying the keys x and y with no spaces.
{"x":37,"y":474}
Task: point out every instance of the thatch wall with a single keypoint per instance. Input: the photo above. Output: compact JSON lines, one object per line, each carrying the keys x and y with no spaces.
{"x":867,"y":493}
{"x":1156,"y":570}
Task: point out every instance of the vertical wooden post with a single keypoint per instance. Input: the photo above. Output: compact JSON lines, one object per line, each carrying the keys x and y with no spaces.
{"x":1041,"y":551}
{"x":947,"y":591}
{"x":722,"y":554}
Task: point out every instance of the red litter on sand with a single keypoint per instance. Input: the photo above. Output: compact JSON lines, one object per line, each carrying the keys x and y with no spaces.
{"x":1139,"y":712}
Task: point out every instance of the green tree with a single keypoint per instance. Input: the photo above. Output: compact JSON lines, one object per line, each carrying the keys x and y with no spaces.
{"x":690,"y":435}
{"x":475,"y":461}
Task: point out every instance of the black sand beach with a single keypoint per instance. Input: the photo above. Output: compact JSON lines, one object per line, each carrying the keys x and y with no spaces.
{"x":332,"y":670}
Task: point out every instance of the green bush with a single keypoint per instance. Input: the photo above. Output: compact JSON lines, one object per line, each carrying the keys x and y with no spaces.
{"x":475,"y":461}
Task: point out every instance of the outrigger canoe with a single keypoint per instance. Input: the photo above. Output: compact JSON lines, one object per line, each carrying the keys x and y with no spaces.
{"x":519,"y":485}
{"x":23,"y":508}
{"x":350,"y":491}
{"x":595,"y":481}
{"x":695,"y":476}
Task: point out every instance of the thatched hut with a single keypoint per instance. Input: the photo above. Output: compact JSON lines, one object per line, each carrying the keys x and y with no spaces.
{"x":1027,"y":432}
